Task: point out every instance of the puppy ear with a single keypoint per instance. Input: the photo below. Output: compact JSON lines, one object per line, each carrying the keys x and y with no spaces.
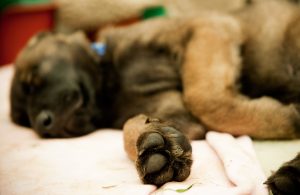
{"x":80,"y":39}
{"x":38,"y":37}
{"x":23,"y":57}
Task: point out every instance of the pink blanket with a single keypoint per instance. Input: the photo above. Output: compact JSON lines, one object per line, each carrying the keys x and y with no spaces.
{"x":97,"y":163}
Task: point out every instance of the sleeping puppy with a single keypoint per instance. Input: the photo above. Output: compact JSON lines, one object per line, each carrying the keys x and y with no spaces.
{"x":62,"y":88}
{"x":178,"y":73}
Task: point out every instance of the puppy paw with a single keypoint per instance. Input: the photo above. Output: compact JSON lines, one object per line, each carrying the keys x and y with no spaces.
{"x":164,"y":154}
{"x":286,"y":180}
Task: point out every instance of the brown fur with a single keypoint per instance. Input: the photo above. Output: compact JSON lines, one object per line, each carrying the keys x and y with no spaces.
{"x":213,"y":59}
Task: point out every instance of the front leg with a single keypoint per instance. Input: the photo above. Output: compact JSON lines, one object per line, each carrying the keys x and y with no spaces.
{"x":161,"y":152}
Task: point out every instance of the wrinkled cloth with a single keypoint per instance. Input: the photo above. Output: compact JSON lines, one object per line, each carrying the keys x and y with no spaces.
{"x":222,"y":165}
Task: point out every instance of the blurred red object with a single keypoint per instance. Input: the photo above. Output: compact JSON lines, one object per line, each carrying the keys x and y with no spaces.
{"x":18,"y":23}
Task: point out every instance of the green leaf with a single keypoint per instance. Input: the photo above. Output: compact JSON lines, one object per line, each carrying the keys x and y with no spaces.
{"x":184,"y":190}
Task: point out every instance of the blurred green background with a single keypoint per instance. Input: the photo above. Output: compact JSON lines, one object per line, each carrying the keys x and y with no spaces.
{"x":5,"y":3}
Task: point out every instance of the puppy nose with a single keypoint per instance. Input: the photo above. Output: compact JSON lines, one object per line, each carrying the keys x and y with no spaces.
{"x":44,"y":121}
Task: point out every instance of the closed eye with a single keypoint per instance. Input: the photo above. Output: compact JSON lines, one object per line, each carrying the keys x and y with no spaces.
{"x":28,"y":89}
{"x":71,"y":97}
{"x":85,"y":94}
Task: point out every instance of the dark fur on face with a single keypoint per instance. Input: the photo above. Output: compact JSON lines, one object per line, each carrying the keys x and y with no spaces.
{"x":55,"y":85}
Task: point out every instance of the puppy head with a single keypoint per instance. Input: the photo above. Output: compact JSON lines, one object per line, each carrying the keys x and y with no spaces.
{"x":56,"y":79}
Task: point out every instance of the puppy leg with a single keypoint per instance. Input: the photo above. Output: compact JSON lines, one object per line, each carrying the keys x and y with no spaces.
{"x":161,"y":152}
{"x":210,"y":72}
{"x":286,"y":180}
{"x":159,"y":145}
